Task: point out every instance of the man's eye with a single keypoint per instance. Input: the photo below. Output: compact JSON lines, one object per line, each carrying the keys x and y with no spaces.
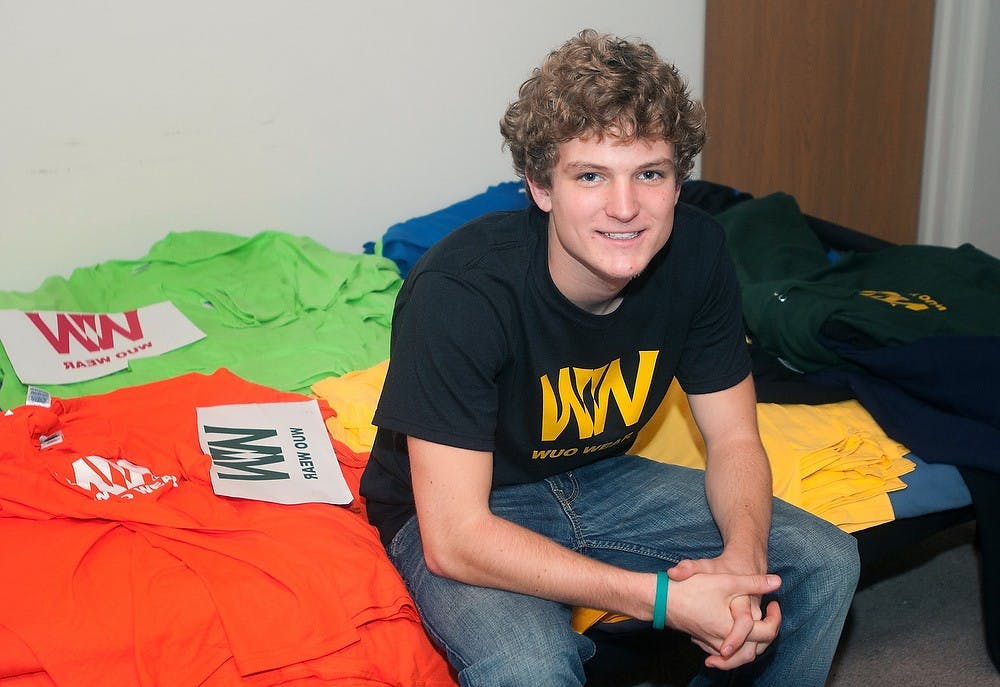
{"x":589,"y":177}
{"x":650,"y":175}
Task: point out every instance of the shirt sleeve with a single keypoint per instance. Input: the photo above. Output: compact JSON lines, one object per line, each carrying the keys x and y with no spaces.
{"x":715,"y":354}
{"x":447,"y":349}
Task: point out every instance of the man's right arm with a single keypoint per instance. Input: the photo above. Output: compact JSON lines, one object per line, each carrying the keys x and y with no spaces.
{"x":464,"y":541}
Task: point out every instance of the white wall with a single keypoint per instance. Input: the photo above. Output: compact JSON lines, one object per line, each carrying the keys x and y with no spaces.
{"x":961,"y":175}
{"x":122,"y":120}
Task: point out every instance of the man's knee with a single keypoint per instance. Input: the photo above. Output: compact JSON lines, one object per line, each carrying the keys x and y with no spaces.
{"x":527,"y":661}
{"x":836,"y":553}
{"x":826,"y":555}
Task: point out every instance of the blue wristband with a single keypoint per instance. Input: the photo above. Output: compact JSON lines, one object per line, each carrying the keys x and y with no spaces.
{"x":660,"y":602}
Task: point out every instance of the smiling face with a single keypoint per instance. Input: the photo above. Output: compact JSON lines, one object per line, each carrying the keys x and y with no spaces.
{"x":611,"y":209}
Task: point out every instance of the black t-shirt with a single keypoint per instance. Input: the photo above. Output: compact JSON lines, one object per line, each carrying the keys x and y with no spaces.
{"x":486,"y":354}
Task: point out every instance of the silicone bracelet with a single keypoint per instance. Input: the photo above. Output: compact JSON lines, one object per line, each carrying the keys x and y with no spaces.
{"x":660,"y":602}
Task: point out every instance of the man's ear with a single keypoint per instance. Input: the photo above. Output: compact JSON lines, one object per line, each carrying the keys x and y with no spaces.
{"x":541,"y":195}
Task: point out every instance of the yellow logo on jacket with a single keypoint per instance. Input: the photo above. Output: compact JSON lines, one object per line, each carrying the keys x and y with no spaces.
{"x":913,"y":301}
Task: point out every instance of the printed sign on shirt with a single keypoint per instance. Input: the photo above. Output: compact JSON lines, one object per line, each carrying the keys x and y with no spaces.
{"x":53,"y":347}
{"x":278,"y":452}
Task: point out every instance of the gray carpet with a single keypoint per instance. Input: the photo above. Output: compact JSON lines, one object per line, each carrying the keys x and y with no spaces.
{"x":920,"y":623}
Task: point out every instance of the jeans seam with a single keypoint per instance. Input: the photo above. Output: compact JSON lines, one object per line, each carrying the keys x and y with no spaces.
{"x":391,"y":549}
{"x":628,"y":547}
{"x":565,"y":503}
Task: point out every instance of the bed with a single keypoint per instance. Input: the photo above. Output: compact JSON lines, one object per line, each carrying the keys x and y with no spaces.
{"x":201,"y":589}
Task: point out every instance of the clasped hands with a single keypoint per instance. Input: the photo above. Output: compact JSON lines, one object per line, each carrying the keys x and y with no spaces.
{"x":720,"y":608}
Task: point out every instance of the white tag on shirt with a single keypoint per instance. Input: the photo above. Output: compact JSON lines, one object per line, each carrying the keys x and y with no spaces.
{"x":38,"y":397}
{"x":50,"y":440}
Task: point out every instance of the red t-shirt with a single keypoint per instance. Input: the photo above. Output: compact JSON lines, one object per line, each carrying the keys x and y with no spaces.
{"x":122,"y":566}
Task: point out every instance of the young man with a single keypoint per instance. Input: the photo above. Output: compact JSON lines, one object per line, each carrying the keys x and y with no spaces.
{"x":529,"y":348}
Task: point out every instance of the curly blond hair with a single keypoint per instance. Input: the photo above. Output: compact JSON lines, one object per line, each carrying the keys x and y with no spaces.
{"x":597,"y":84}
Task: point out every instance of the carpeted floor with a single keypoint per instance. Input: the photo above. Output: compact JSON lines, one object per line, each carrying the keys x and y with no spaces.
{"x":919,"y":624}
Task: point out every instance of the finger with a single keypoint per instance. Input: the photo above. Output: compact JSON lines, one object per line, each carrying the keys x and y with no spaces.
{"x":682,"y":571}
{"x":743,"y":623}
{"x":756,"y":644}
{"x":764,"y":631}
{"x":746,"y":654}
{"x":770,"y":626}
{"x":755,"y":585}
{"x":704,"y":646}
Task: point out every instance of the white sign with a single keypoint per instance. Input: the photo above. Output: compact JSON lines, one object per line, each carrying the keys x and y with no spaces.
{"x":53,"y":347}
{"x":276,"y":452}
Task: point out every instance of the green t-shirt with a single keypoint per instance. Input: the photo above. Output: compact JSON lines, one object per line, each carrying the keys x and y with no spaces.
{"x":276,"y":309}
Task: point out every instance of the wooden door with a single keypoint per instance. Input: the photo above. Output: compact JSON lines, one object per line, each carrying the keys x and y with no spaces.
{"x":825,"y":100}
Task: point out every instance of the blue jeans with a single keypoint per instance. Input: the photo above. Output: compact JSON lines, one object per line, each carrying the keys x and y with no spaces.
{"x":640,"y":515}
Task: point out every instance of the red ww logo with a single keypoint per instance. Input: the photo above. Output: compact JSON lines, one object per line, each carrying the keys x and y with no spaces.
{"x":93,"y":332}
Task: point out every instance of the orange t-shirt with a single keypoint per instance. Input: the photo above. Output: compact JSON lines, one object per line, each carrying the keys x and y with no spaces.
{"x":123,"y":567}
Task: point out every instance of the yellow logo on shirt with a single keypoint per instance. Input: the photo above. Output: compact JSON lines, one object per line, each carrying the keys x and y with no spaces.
{"x":586,"y":395}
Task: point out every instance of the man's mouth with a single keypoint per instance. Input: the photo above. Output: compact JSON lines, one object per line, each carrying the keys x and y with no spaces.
{"x":620,"y":236}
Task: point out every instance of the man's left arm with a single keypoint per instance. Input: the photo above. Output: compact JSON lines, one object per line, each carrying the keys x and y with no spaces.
{"x":738,"y":488}
{"x":737,"y":473}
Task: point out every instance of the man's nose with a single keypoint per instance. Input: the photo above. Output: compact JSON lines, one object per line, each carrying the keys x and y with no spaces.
{"x":622,"y":203}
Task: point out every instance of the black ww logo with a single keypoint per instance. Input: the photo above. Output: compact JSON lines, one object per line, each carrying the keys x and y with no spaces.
{"x":245,"y":459}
